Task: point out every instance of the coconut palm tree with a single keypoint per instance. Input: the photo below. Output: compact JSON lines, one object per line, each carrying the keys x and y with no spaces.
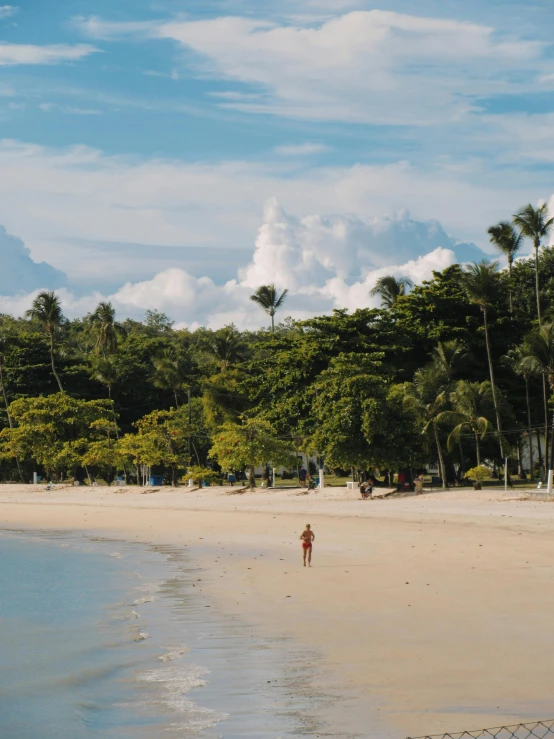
{"x":226,"y":346}
{"x":106,"y":372}
{"x":266,"y":296}
{"x":47,"y":310}
{"x":170,"y":374}
{"x":426,"y":396}
{"x":507,"y":240}
{"x":472,"y":404}
{"x":106,"y":328}
{"x":481,"y":282}
{"x":538,"y":349}
{"x":535,"y":224}
{"x":514,"y":359}
{"x":390,"y":289}
{"x":3,"y":342}
{"x":449,"y":356}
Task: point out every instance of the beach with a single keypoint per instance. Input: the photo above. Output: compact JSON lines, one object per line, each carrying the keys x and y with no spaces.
{"x":420,"y":615}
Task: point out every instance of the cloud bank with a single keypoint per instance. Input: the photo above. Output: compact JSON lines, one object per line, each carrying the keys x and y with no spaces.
{"x":325,"y":262}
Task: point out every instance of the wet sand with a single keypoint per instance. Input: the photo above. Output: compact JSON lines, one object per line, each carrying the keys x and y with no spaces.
{"x":425,"y":615}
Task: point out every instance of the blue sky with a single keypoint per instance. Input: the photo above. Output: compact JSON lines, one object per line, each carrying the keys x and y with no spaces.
{"x":139,"y":137}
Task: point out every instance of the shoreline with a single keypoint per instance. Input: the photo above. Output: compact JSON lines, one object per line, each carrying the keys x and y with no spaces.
{"x":469,"y":649}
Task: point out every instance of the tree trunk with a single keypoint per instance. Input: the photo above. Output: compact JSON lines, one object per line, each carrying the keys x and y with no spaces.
{"x":539,"y":447}
{"x":441,"y":458}
{"x":174,"y":482}
{"x":53,"y":362}
{"x":537,"y":286}
{"x":10,"y":422}
{"x":462,"y":460}
{"x":272,"y":323}
{"x":176,"y":398}
{"x":493,"y":384}
{"x":252,"y":477}
{"x":529,"y":427}
{"x":477,"y":449}
{"x":510,"y":279}
{"x":546,"y":425}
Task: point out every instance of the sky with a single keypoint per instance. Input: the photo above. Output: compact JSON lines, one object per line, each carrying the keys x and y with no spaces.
{"x":176,"y":154}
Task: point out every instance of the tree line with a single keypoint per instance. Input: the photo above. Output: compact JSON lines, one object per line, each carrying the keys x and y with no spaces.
{"x":458,"y":370}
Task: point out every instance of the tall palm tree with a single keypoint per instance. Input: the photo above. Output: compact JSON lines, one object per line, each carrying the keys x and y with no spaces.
{"x":426,"y":396}
{"x":535,"y":224}
{"x":390,"y":289}
{"x":514,"y":359}
{"x":507,"y":240}
{"x":3,"y":342}
{"x":538,"y":358}
{"x":266,"y":296}
{"x":481,"y":282}
{"x":47,"y":310}
{"x":472,"y":403}
{"x":106,"y":371}
{"x":106,"y":328}
{"x":170,"y":374}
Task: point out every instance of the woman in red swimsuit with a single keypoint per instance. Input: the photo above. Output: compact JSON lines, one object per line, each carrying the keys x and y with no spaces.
{"x":307,"y":537}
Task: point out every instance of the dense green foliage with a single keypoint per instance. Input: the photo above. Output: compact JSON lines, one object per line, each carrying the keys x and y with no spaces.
{"x":455,"y":371}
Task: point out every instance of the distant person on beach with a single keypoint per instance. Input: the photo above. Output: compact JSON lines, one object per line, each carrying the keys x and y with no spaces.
{"x":231,"y":478}
{"x":302,"y":476}
{"x":419,"y":484}
{"x":307,"y":537}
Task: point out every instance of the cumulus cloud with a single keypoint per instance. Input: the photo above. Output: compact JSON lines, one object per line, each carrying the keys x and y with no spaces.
{"x":325,"y":262}
{"x":79,"y":196}
{"x":14,"y":54}
{"x":365,"y":65}
{"x":20,"y":273}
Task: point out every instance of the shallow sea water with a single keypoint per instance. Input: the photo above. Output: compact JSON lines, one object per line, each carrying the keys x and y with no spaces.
{"x":101,"y":638}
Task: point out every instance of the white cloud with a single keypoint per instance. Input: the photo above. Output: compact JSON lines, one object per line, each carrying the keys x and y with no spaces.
{"x":371,"y":66}
{"x":292,"y":253}
{"x":7,"y":11}
{"x":98,"y":28}
{"x":56,"y":198}
{"x":14,"y":54}
{"x":300,"y":150}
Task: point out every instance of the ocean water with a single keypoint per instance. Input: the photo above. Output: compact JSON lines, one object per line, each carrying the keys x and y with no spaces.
{"x":109,"y":639}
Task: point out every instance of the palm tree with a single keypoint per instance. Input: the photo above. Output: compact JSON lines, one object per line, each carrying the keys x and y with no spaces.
{"x":426,"y":396}
{"x":514,"y":359}
{"x":481,"y":282}
{"x":472,"y":402}
{"x":226,"y":346}
{"x":170,"y":374}
{"x":390,"y":289}
{"x":105,"y":371}
{"x":3,"y":342}
{"x":538,"y":359}
{"x":106,"y":328}
{"x":449,"y":356}
{"x":266,"y":297}
{"x":508,"y":241}
{"x":47,"y":310}
{"x":536,"y":225}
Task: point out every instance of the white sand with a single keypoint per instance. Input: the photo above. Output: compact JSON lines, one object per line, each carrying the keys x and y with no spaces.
{"x":430,"y":614}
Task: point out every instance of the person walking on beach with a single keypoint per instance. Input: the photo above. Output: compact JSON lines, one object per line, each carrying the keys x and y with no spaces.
{"x":307,"y":537}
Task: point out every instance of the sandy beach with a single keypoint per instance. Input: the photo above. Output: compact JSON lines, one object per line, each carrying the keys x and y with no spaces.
{"x":425,"y":615}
